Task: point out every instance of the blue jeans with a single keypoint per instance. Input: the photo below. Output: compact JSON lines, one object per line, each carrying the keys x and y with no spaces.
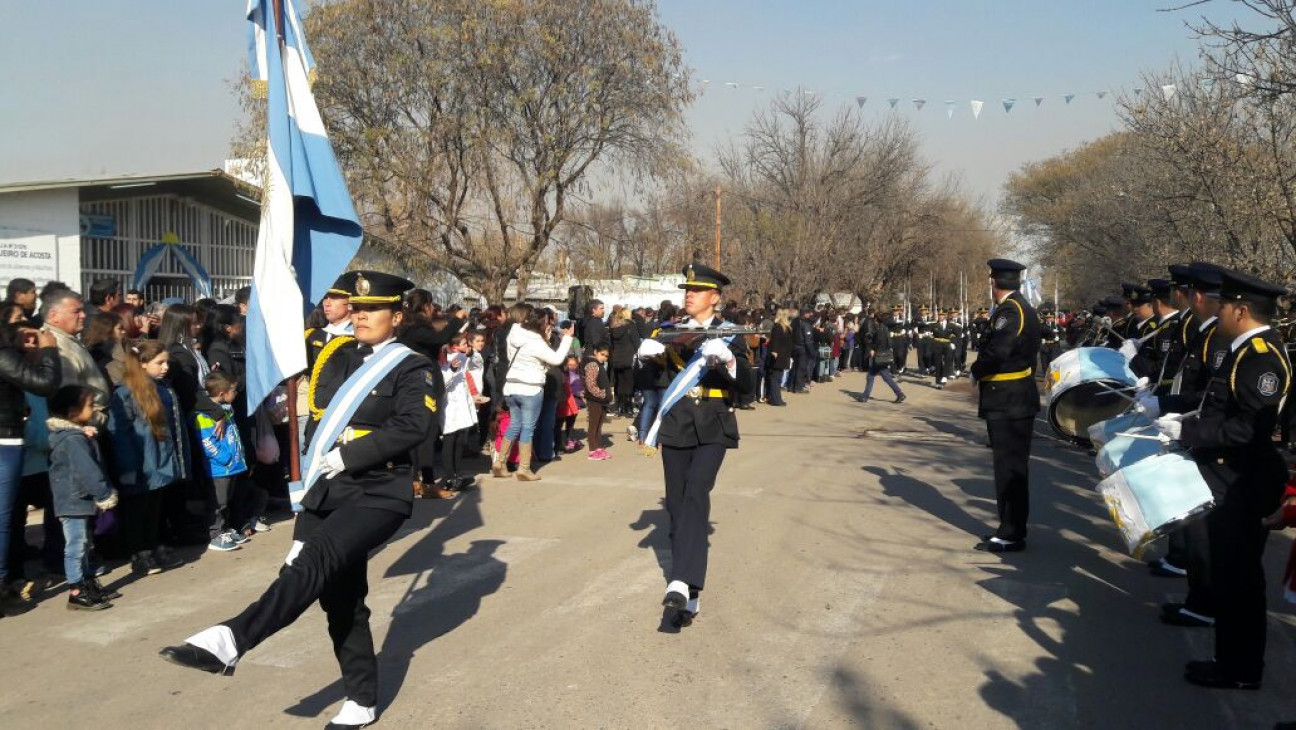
{"x":11,"y":458}
{"x":885,"y":372}
{"x":651,"y":402}
{"x":76,"y":548}
{"x":524,"y":411}
{"x":544,"y":430}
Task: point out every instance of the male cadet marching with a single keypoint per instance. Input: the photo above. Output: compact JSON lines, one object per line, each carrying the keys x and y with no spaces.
{"x":943,"y":338}
{"x":380,"y":405}
{"x":1231,"y":439}
{"x":980,"y":325}
{"x":1004,"y":372}
{"x":695,"y":431}
{"x":899,"y":340}
{"x":336,"y":307}
{"x":1189,"y":546}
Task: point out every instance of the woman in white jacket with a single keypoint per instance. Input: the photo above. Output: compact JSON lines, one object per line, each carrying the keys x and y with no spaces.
{"x":529,"y":357}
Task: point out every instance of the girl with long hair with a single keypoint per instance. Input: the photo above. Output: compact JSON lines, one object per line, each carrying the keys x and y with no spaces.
{"x":150,"y":448}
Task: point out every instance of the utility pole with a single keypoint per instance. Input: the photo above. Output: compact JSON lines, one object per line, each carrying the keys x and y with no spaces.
{"x":717,"y":227}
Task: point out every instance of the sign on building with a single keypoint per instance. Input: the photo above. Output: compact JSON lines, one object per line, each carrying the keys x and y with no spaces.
{"x":28,"y":255}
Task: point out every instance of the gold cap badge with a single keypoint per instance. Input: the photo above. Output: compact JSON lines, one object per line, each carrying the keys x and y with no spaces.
{"x":688,"y":273}
{"x":362,"y":286}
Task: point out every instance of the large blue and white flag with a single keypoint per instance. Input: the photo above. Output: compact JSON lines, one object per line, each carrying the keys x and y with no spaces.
{"x":309,"y":228}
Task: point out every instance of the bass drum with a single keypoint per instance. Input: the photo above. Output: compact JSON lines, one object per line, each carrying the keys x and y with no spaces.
{"x":1154,"y":496}
{"x":1079,"y":387}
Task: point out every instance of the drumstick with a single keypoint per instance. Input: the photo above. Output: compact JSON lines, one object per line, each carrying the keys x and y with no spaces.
{"x":1118,"y":391}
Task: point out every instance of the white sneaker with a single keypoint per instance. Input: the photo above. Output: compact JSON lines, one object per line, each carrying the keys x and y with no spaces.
{"x":632,"y":433}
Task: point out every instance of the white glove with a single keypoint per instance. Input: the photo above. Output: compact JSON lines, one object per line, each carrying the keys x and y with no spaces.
{"x":650,"y":348}
{"x":1129,"y":349}
{"x":717,"y":351}
{"x":1170,"y":427}
{"x":333,"y":464}
{"x":108,"y":502}
{"x":1148,"y":405}
{"x":952,"y":346}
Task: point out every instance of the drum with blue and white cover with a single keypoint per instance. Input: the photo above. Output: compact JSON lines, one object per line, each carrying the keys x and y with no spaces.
{"x":1085,"y":386}
{"x":1155,"y":496}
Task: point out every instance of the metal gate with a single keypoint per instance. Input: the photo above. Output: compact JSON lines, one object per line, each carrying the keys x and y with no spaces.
{"x":225,"y":245}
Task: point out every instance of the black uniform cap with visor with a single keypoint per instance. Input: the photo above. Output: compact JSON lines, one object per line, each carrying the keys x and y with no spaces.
{"x":376,"y":289}
{"x":1238,"y":287}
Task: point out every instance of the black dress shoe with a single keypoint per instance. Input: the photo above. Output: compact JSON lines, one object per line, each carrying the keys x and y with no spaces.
{"x":1209,"y":674}
{"x":340,"y":726}
{"x":1181,"y":617}
{"x":900,"y":398}
{"x":995,"y":546}
{"x":188,"y":655}
{"x":683,"y":619}
{"x":1164,"y":569}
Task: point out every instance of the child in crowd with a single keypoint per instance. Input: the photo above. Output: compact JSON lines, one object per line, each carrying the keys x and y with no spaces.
{"x":151,"y":451}
{"x":462,"y":370}
{"x":569,"y":405}
{"x":225,"y":458}
{"x":598,"y":394}
{"x":80,"y":487}
{"x":484,"y":414}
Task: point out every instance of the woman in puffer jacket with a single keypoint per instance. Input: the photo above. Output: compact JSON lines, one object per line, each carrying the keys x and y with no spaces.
{"x":528,"y":358}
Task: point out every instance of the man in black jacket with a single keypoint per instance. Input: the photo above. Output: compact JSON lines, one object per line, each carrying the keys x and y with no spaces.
{"x":593,"y":330}
{"x":1005,"y":374}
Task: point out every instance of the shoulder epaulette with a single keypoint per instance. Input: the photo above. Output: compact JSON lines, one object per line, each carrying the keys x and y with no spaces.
{"x":1259,"y":345}
{"x":310,"y":331}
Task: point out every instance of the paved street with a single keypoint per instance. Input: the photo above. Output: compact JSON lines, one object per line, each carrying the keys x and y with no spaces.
{"x":843,"y":593}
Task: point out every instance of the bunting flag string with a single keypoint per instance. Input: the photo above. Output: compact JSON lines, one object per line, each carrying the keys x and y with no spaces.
{"x":919,"y":103}
{"x":1038,"y":100}
{"x":949,"y":108}
{"x":976,"y":108}
{"x":893,"y":101}
{"x":1068,"y":97}
{"x":1008,"y":105}
{"x":861,"y":100}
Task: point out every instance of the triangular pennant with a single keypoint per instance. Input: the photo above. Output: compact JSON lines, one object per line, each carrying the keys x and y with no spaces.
{"x":976,"y":108}
{"x":1100,"y":94}
{"x":893,"y":101}
{"x":1008,"y":105}
{"x":860,"y":100}
{"x":1038,"y":100}
{"x":731,"y":84}
{"x":758,"y":88}
{"x":1168,"y":90}
{"x":1138,"y":91}
{"x":1068,"y":97}
{"x":919,"y":103}
{"x":1207,"y":84}
{"x":949,"y":108}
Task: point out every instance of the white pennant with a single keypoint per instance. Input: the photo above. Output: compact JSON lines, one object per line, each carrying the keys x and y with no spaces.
{"x":919,"y":103}
{"x":1138,"y":91}
{"x":949,"y":108}
{"x":976,"y":108}
{"x":1168,"y":91}
{"x":1008,"y":105}
{"x":860,"y":100}
{"x":1100,"y":94}
{"x":731,"y":84}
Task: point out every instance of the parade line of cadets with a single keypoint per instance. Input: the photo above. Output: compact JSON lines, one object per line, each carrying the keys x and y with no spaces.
{"x":118,"y":415}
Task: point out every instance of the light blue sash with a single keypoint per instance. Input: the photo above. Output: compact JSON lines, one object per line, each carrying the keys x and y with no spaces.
{"x":338,"y":415}
{"x":679,"y":387}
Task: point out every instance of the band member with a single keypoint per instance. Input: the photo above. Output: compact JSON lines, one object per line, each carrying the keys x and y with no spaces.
{"x":1050,"y":340}
{"x":1231,"y":439}
{"x":1004,"y":372}
{"x":899,"y":340}
{"x":694,"y":433}
{"x":337,"y":312}
{"x":1158,"y":355}
{"x":1189,"y":546}
{"x":380,"y":404}
{"x":944,"y":335}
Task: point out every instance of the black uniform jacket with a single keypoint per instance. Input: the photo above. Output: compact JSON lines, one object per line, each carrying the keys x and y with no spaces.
{"x":708,"y":420}
{"x":1010,"y":348}
{"x":1203,"y":357}
{"x":1158,"y":358}
{"x":1050,"y":334}
{"x":1232,"y":438}
{"x":397,"y":414}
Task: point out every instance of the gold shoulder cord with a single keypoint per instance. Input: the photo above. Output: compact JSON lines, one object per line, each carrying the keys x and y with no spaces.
{"x":333,"y":346}
{"x":1021,"y":316}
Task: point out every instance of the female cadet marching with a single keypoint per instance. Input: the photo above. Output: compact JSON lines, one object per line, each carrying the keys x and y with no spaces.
{"x":695,"y":431}
{"x":357,"y":491}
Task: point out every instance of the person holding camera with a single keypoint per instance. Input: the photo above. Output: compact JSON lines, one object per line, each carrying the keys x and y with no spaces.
{"x":879,"y":356}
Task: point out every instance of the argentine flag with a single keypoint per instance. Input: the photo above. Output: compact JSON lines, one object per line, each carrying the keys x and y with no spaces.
{"x":309,"y":229}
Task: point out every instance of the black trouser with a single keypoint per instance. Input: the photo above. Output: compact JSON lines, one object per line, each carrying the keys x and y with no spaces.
{"x":1048,"y":351}
{"x":1177,"y":549}
{"x":774,"y":386}
{"x":942,"y":355}
{"x":623,"y":383}
{"x":34,"y":491}
{"x":1196,"y":538}
{"x":139,"y":516}
{"x":883,"y":370}
{"x":425,"y":454}
{"x":900,"y":354}
{"x":690,"y":476}
{"x":563,"y":431}
{"x":1237,"y":541}
{"x":452,"y":451}
{"x":225,"y":505}
{"x":330,"y":568}
{"x":1010,"y":441}
{"x":801,"y":364}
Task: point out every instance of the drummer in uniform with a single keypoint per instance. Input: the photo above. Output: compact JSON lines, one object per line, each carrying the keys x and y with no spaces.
{"x":1004,"y":372}
{"x":363,"y":497}
{"x":1189,"y":547}
{"x":1157,"y":357}
{"x":1231,"y":439}
{"x":695,"y":432}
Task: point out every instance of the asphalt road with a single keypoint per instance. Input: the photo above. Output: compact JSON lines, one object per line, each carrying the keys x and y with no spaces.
{"x":843,"y":593}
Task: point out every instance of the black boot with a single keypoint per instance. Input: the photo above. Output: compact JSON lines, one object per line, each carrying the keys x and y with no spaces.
{"x":86,"y":598}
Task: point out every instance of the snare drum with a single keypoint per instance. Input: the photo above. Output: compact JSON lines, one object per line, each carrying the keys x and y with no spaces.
{"x":1079,"y":387}
{"x":1122,"y":451}
{"x":1104,"y":431}
{"x":1155,"y":496}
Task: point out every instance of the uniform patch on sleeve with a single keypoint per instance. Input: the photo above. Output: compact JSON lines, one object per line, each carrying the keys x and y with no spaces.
{"x":1268,"y":384}
{"x":430,"y":402}
{"x":1000,"y":322}
{"x":427,"y":377}
{"x":1218,"y":360}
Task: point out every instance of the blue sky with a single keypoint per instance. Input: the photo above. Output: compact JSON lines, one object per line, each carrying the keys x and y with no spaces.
{"x":99,"y":87}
